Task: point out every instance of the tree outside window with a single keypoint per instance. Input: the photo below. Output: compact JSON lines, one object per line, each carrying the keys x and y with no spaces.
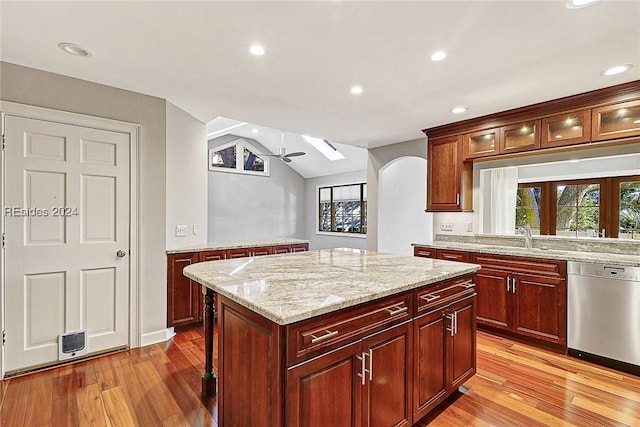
{"x":343,"y":209}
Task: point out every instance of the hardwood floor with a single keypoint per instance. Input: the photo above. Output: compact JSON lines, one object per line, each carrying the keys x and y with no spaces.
{"x":159,"y":385}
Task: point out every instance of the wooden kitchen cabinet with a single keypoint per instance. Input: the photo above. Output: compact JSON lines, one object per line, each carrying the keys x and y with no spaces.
{"x":616,"y":121}
{"x":184,"y":296}
{"x":566,"y":129}
{"x":369,"y":382}
{"x":353,"y":367}
{"x":524,"y":296}
{"x":422,"y":251}
{"x":481,"y":143}
{"x":185,"y":300}
{"x":519,"y":137}
{"x":444,"y":343}
{"x":452,"y":255}
{"x":448,"y":177}
{"x":503,"y":140}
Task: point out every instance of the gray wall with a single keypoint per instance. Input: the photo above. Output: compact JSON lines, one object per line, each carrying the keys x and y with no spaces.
{"x":378,"y":157}
{"x":39,"y":88}
{"x":186,"y":178}
{"x":323,"y":241}
{"x":249,"y":207}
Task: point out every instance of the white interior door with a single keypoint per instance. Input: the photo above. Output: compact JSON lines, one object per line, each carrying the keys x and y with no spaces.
{"x":66,"y":210}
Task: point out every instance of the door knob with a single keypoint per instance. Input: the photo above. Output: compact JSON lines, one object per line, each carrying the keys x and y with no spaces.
{"x":120,"y":253}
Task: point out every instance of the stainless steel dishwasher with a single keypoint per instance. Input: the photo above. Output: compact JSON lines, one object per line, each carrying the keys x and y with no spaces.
{"x":603,"y":314}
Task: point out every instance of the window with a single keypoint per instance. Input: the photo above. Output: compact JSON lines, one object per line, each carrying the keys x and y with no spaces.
{"x":239,"y":157}
{"x":628,"y":195}
{"x":528,"y":206}
{"x":578,"y":209}
{"x":343,"y":209}
{"x":605,"y":207}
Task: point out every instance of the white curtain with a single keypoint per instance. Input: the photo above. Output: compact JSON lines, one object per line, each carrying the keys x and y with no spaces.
{"x":504,"y":188}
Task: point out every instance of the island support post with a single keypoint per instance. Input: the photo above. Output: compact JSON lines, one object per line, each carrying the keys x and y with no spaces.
{"x":209,"y":380}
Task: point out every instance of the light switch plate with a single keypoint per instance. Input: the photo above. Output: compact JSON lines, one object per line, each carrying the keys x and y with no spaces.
{"x":470,"y":227}
{"x":181,"y":230}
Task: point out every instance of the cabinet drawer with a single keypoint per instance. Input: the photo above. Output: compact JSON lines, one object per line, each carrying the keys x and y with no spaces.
{"x":421,"y":251}
{"x":536,"y":266}
{"x":453,"y":255}
{"x":320,"y":334}
{"x":441,"y":294}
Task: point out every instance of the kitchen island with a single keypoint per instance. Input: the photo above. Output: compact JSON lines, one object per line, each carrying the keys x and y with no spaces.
{"x":338,"y":337}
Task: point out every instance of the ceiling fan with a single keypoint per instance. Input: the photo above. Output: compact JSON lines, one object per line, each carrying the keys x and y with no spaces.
{"x":283,"y":155}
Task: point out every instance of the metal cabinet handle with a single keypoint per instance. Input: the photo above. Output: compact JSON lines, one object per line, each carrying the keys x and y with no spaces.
{"x":458,"y":199}
{"x":362,"y":368}
{"x":467,"y":285}
{"x":397,"y":311}
{"x":455,"y":323}
{"x":328,"y":334}
{"x":430,"y":297}
{"x":451,"y":327}
{"x":513,"y":288}
{"x":508,"y":284}
{"x":370,"y":364}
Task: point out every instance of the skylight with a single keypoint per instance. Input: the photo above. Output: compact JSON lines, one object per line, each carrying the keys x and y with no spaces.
{"x":325,"y":147}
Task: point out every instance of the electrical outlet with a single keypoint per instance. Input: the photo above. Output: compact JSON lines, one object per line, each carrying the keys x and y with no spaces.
{"x":195,"y":229}
{"x":470,"y":227}
{"x":446,"y":226}
{"x":181,"y":230}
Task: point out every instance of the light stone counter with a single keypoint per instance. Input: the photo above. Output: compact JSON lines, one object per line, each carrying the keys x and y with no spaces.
{"x":217,"y":246}
{"x":292,"y":287}
{"x":559,"y":254}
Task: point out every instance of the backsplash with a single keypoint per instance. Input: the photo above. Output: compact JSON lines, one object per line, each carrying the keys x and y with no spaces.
{"x":614,"y":246}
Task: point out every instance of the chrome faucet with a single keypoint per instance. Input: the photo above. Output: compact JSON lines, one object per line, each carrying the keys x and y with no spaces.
{"x":525,"y":230}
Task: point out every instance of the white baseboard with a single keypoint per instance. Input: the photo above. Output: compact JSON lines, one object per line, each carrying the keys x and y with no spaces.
{"x":157,"y":336}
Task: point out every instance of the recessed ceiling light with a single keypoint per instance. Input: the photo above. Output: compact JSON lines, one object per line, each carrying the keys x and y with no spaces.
{"x":616,"y":70}
{"x":579,"y":4}
{"x":356,"y":90}
{"x":438,"y":56}
{"x":256,"y":50}
{"x":458,"y":110}
{"x":636,"y":121}
{"x":254,"y":130}
{"x":74,"y":49}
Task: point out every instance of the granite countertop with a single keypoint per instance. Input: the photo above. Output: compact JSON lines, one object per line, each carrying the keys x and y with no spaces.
{"x":216,"y":246}
{"x":565,"y":255}
{"x":291,"y":287}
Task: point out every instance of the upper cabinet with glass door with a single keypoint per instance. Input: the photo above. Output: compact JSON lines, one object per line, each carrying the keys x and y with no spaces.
{"x":566,"y":129}
{"x":520,"y":137}
{"x":482,"y":143}
{"x":616,"y":121}
{"x":508,"y":139}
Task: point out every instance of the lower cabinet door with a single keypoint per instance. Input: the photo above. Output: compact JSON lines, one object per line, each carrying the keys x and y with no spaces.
{"x":540,"y":307}
{"x":495,"y":299}
{"x":387,"y":389}
{"x":461,"y":349}
{"x":183,"y":294}
{"x":326,"y":391}
{"x":429,"y":379}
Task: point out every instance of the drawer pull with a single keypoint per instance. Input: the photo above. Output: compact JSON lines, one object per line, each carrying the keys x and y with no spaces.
{"x":468,"y":285}
{"x":393,"y":312}
{"x":430,"y":297}
{"x":328,"y":334}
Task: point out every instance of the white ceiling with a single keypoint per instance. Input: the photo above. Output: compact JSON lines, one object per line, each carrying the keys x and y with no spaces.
{"x":501,"y":54}
{"x":312,"y":164}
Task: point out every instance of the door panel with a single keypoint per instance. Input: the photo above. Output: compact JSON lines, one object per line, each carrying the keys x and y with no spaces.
{"x":388,"y":395}
{"x":540,"y":307}
{"x":69,"y":196}
{"x":463,"y":344}
{"x":494,"y":302}
{"x":429,"y":364}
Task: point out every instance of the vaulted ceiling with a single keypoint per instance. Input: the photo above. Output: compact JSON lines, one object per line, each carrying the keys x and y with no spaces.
{"x":500,"y":55}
